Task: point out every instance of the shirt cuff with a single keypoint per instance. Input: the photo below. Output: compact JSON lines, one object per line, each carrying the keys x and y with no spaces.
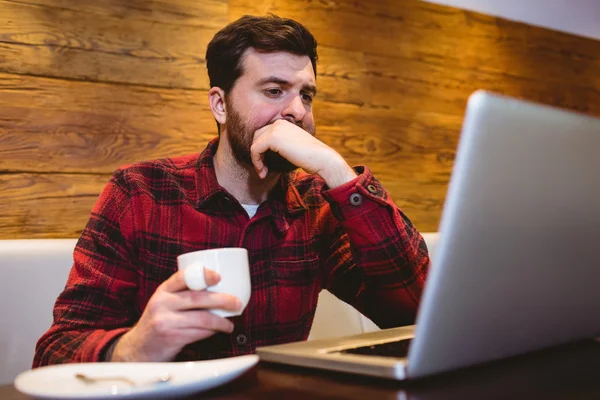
{"x":102,"y":343}
{"x":361,"y":195}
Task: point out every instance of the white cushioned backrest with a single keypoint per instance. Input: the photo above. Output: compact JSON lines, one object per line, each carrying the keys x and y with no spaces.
{"x":431,"y":239}
{"x":335,"y":318}
{"x":32,"y":275}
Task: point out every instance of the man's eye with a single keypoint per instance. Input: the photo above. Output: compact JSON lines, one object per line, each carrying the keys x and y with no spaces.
{"x":307,"y":98}
{"x":273,"y":92}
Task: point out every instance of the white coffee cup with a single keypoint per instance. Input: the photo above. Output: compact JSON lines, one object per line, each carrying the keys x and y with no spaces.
{"x":230,"y":263}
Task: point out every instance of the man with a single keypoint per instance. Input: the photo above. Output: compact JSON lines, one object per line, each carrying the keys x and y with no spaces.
{"x":331,"y":227}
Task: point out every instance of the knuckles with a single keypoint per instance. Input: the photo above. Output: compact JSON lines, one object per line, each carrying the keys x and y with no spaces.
{"x":160,"y":326}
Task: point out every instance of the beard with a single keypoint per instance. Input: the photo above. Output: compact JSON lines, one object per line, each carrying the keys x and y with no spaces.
{"x":240,"y":135}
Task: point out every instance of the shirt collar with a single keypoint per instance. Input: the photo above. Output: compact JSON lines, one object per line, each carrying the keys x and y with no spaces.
{"x":283,"y":200}
{"x":207,"y":185}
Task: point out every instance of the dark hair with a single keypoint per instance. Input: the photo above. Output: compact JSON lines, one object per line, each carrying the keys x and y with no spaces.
{"x":264,"y":34}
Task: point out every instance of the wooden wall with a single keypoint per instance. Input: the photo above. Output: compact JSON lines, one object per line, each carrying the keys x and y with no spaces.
{"x":89,"y":85}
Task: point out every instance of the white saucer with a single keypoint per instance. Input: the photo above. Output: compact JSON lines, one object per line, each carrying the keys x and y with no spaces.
{"x":59,"y":382}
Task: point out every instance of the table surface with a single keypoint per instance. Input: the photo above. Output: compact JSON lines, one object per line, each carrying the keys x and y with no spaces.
{"x":571,"y":371}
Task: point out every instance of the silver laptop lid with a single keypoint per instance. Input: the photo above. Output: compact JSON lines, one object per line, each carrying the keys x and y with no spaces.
{"x":518,"y":265}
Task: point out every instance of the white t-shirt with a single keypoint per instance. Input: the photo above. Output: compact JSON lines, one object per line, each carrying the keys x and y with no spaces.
{"x":250,"y":209}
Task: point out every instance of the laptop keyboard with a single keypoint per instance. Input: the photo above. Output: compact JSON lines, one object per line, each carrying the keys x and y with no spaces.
{"x":396,"y":349}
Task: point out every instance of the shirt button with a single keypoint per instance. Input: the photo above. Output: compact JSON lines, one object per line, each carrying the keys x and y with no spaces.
{"x":356,"y":199}
{"x":241,"y":339}
{"x":372,"y":189}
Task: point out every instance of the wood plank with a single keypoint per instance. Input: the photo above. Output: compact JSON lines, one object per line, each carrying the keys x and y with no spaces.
{"x":77,"y":45}
{"x":36,"y":206}
{"x":420,"y":30}
{"x":341,"y":76}
{"x":94,"y":66}
{"x":370,"y":136}
{"x":422,"y":85}
{"x":89,"y":142}
{"x":205,"y":13}
{"x":54,"y":94}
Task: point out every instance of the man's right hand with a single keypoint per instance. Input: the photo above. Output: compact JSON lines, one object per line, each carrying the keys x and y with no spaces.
{"x":174,"y":318}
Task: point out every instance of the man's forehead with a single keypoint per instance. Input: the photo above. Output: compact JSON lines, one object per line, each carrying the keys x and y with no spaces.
{"x":257,"y":65}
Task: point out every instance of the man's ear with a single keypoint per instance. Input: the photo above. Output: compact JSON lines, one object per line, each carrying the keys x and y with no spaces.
{"x":216,"y":99}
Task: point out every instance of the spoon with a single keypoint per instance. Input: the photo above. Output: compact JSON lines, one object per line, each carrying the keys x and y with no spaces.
{"x":88,"y":379}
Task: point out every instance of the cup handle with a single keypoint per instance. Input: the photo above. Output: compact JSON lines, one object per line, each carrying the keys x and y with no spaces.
{"x":194,"y":277}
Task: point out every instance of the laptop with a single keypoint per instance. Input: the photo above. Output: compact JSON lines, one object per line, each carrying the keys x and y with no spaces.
{"x":517,"y":266}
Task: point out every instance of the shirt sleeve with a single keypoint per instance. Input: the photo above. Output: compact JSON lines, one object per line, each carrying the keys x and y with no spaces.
{"x":97,"y":303}
{"x":377,"y":260}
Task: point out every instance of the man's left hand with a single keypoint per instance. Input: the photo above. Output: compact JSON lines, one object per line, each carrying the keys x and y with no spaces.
{"x":301,"y":149}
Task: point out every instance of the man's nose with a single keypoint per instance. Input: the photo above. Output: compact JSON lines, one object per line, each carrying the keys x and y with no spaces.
{"x":294,"y":110}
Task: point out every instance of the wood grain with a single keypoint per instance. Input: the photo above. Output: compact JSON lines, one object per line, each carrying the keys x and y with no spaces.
{"x":205,"y":13}
{"x":47,"y":205}
{"x":78,"y":45}
{"x":426,"y":86}
{"x":83,"y":127}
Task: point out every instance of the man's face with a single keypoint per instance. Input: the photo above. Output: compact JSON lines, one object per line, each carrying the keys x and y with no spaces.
{"x":272,"y":86}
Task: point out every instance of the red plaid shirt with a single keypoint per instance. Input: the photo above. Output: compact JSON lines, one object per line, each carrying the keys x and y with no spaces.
{"x":351,"y":240}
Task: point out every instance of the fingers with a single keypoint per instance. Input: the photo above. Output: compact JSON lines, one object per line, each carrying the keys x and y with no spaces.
{"x":211,"y":277}
{"x":201,"y":319}
{"x":176,"y":282}
{"x":189,"y":300}
{"x":194,"y":277}
{"x":284,"y":137}
{"x":264,"y":139}
{"x":187,"y":326}
{"x":168,"y":313}
{"x":257,"y":154}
